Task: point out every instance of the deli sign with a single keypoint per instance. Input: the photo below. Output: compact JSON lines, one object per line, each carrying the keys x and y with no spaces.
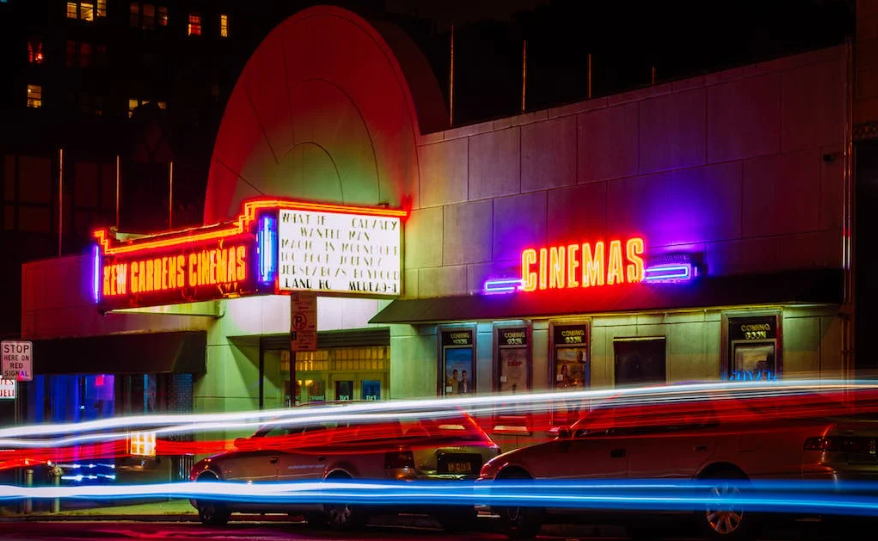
{"x":17,"y":360}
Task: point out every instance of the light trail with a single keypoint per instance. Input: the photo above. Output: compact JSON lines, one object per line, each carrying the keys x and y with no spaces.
{"x":853,"y":498}
{"x":488,"y":405}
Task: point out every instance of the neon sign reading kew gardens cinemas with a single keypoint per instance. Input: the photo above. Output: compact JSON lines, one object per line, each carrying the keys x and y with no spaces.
{"x":273,"y":247}
{"x":582,"y":265}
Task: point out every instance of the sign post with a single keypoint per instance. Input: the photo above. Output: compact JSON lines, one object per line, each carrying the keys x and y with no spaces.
{"x":303,"y":331}
{"x":17,"y":360}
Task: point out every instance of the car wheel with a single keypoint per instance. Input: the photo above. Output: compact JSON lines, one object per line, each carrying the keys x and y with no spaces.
{"x":344,"y":517}
{"x":727,"y":521}
{"x":457,"y":519}
{"x":212,"y":513}
{"x":520,"y":522}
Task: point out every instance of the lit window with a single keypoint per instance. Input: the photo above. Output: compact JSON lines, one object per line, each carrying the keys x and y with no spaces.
{"x":132,"y":105}
{"x":87,"y":11}
{"x":35,"y":51}
{"x":194,"y":25}
{"x":163,"y":105}
{"x":163,"y":16}
{"x":99,"y":105}
{"x":134,"y":19}
{"x":102,"y":8}
{"x":224,"y":26}
{"x":34,"y":96}
{"x":148,"y":16}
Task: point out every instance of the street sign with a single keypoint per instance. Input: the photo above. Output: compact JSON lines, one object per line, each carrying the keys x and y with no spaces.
{"x":17,"y":362}
{"x":303,"y":321}
{"x":7,"y":389}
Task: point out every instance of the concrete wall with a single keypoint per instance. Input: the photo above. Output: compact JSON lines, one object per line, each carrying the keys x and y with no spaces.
{"x":57,"y":302}
{"x":811,"y":347}
{"x":728,"y":165}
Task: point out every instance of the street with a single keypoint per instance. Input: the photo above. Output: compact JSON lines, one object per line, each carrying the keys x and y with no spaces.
{"x":279,"y":530}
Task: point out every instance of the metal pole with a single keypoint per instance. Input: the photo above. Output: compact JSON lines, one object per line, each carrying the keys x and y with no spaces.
{"x":118,"y":185}
{"x":523,"y":75}
{"x":56,"y":481}
{"x":28,"y":482}
{"x":171,"y":196}
{"x":848,"y":226}
{"x":60,"y":197}
{"x":589,"y":75}
{"x":451,"y":84}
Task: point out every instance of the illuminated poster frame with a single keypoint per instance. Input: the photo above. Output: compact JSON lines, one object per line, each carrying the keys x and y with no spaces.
{"x":513,"y":342}
{"x":569,"y":336}
{"x":452,"y":350}
{"x":226,"y":260}
{"x":755,"y":337}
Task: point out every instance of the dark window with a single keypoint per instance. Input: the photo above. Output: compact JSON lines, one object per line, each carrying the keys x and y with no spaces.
{"x":639,"y":361}
{"x":85,"y":54}
{"x":148,"y":16}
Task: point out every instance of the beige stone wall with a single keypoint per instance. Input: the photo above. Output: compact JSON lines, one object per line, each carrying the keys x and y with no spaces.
{"x":811,"y":347}
{"x":742,"y":168}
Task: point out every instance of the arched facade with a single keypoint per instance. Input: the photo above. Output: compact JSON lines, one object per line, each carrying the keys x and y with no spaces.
{"x":323,"y":110}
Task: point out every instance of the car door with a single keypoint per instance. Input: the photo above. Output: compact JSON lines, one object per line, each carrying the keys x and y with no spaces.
{"x":593,"y":451}
{"x":305,"y":458}
{"x":671,"y":441}
{"x":255,"y":460}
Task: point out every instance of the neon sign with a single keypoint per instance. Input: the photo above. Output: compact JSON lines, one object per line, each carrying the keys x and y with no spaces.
{"x":231,"y":259}
{"x":582,"y":265}
{"x":670,"y":273}
{"x":586,"y":265}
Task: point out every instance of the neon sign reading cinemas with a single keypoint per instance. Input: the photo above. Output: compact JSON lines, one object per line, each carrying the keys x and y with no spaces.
{"x":582,"y":265}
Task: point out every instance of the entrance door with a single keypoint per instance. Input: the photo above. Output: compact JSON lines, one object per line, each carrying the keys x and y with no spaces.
{"x":640,"y":361}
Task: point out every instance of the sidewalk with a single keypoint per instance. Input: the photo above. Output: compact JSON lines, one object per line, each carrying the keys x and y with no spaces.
{"x":182,"y":511}
{"x":173,"y":510}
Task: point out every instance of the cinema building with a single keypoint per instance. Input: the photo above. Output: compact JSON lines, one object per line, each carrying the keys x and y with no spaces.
{"x":691,"y":230}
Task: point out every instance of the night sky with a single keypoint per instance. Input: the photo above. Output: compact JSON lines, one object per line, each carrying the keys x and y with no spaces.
{"x":627,"y":38}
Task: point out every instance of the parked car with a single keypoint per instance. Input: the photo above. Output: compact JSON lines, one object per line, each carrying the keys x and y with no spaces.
{"x":423,"y":448}
{"x":721,"y":436}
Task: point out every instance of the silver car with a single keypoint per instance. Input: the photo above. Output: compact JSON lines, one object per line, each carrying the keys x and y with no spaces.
{"x":717,"y":437}
{"x":412,"y":448}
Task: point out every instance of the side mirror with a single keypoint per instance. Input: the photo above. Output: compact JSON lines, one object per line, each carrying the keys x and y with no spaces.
{"x":561,"y":432}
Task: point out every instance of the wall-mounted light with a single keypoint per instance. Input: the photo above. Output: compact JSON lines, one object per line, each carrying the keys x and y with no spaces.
{"x":96,"y":273}
{"x":670,"y":273}
{"x":502,"y":285}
